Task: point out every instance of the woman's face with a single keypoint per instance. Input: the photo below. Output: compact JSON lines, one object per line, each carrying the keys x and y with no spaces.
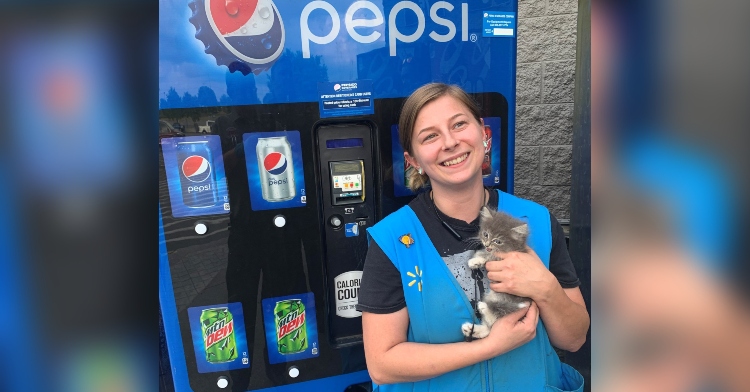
{"x":447,"y":143}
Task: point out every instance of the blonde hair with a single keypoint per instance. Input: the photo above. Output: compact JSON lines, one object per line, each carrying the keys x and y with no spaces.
{"x":409,"y":112}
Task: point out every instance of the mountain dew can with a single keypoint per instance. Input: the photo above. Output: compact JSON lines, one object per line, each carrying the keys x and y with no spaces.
{"x":218,"y":335}
{"x":291,"y":326}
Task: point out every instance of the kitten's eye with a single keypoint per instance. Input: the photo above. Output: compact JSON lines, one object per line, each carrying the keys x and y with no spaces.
{"x":486,"y":235}
{"x":496,"y":242}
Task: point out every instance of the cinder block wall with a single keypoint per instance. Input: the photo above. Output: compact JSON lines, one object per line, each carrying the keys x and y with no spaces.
{"x":544,"y":102}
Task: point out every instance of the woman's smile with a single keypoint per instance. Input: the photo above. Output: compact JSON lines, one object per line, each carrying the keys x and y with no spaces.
{"x":455,"y":161}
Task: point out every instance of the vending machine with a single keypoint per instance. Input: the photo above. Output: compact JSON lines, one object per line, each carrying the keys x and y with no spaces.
{"x":278,"y":148}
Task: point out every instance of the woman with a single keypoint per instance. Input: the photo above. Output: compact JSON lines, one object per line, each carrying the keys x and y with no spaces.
{"x":416,"y":285}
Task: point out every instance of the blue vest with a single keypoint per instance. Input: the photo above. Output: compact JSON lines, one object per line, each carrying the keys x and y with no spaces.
{"x":437,"y":307}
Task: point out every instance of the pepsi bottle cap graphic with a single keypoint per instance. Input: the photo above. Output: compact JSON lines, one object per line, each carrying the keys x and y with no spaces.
{"x":245,"y":35}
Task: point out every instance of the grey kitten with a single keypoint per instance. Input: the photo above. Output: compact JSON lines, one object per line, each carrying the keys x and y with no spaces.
{"x":498,"y":232}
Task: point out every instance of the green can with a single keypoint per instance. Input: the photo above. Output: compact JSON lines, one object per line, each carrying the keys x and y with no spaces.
{"x":218,"y":335}
{"x":291,"y":326}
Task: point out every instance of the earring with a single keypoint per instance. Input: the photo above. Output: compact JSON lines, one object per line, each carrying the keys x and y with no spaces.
{"x":419,"y":170}
{"x":485,"y":144}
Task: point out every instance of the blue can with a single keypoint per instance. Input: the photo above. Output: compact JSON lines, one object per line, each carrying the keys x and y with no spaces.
{"x":197,"y":177}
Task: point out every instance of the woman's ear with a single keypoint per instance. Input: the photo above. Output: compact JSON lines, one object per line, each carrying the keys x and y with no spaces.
{"x":408,"y":158}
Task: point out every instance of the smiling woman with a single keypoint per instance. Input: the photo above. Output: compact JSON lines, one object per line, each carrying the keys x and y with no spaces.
{"x":416,"y":285}
{"x":432,"y":99}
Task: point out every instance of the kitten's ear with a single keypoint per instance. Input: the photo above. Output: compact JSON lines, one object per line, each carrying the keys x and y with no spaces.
{"x":485,"y":213}
{"x":520,"y":231}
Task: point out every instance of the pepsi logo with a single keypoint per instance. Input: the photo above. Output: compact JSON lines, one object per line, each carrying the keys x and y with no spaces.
{"x":244,"y":35}
{"x":196,"y":168}
{"x":275,"y":163}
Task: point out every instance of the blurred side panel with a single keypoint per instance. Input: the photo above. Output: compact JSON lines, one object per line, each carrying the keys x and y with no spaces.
{"x":79,"y":108}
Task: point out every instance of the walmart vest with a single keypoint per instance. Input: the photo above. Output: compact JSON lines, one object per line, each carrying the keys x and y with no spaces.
{"x":437,"y":306}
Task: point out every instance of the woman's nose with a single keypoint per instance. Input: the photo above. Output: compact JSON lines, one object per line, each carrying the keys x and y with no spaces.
{"x":449,"y":141}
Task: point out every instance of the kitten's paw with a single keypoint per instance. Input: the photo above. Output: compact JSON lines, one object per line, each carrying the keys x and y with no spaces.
{"x":476,"y":262}
{"x":524,"y":304}
{"x":479,"y":331}
{"x":481,"y":306}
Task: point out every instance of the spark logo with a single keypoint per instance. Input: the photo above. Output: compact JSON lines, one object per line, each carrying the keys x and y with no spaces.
{"x":417,"y":277}
{"x":275,"y":163}
{"x":245,"y":35}
{"x":196,"y":168}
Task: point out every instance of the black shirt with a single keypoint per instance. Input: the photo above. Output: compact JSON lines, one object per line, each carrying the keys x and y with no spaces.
{"x":381,"y":290}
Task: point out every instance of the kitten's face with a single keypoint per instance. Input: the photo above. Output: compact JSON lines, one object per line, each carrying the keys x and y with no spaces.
{"x":500,"y":232}
{"x":491,"y":241}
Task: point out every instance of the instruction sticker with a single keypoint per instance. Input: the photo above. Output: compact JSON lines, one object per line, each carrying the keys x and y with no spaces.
{"x":351,"y":230}
{"x":498,"y":24}
{"x":345,"y":98}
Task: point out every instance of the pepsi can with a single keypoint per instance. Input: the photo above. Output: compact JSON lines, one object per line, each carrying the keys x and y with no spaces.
{"x":275,"y":168}
{"x":196,"y":174}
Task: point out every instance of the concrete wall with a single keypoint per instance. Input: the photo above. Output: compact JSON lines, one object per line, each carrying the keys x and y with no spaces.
{"x":544,"y":102}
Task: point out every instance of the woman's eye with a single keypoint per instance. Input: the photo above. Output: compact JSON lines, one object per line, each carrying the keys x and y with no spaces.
{"x":429,"y":137}
{"x":459,"y":124}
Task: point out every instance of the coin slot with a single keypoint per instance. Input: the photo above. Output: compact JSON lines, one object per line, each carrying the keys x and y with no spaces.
{"x":336,"y":221}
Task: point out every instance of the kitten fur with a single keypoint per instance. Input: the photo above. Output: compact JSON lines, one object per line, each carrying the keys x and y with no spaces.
{"x":498,"y":232}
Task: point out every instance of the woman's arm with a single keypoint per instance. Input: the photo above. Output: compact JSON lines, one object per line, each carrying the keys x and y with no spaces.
{"x":563,"y":311}
{"x":391,"y":359}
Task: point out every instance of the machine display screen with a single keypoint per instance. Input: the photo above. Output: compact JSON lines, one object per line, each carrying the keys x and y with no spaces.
{"x":339,"y":167}
{"x":344,"y":143}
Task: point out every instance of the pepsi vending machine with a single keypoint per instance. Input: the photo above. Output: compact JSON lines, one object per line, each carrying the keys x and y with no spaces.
{"x":283,"y":149}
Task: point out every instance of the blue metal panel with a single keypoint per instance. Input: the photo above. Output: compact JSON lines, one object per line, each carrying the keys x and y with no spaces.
{"x":169,"y":314}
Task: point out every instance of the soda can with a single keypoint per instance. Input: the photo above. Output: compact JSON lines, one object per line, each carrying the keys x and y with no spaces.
{"x":197,"y":177}
{"x":291,"y":326}
{"x":275,"y":168}
{"x":487,"y":162}
{"x":217,"y":325}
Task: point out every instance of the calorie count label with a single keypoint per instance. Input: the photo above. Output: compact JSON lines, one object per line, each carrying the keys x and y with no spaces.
{"x":347,"y":294}
{"x":348,"y":182}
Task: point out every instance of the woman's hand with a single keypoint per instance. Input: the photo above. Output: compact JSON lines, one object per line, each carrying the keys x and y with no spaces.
{"x":521,"y":274}
{"x":514,"y":330}
{"x":562,"y":310}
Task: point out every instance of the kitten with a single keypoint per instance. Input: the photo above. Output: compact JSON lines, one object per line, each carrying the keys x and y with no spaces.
{"x":498,"y":232}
